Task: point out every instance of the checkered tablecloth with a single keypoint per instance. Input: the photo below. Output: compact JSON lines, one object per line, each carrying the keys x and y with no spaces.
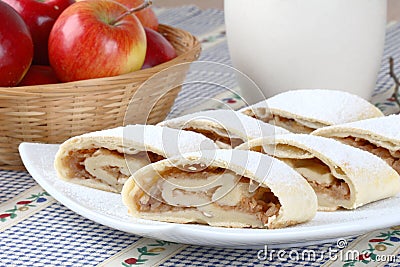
{"x":36,"y":230}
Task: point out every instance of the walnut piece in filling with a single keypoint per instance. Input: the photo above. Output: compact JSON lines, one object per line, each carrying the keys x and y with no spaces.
{"x":391,"y":157}
{"x":212,"y":190}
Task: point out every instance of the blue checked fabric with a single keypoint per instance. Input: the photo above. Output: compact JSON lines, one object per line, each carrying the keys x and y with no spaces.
{"x":56,"y":236}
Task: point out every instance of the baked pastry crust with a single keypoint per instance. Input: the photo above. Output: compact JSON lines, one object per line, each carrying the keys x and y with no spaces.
{"x":105,"y":159}
{"x":341,"y":175}
{"x":303,"y":111}
{"x":380,"y":136}
{"x":227,"y":188}
{"x":228,"y":128}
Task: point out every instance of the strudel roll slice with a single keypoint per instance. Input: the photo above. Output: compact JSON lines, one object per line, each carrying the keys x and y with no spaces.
{"x":380,"y":136}
{"x":105,"y":159}
{"x":228,"y":128}
{"x":342,"y":176}
{"x":226,"y":188}
{"x":303,"y":111}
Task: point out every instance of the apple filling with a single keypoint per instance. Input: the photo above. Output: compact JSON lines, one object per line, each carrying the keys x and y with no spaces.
{"x":212,"y":194}
{"x":223,"y":141}
{"x":391,"y":157}
{"x":290,"y":125}
{"x":286,"y":123}
{"x":331,"y":191}
{"x":108,"y":167}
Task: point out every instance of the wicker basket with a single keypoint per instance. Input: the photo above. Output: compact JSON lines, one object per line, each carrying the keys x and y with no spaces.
{"x":53,"y":113}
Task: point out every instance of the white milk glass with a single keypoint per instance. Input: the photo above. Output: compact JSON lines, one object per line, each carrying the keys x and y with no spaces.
{"x":297,"y":44}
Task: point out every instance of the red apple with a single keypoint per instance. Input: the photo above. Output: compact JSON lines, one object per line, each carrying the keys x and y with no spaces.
{"x":39,"y":74}
{"x":159,"y":49}
{"x":16,"y":47}
{"x":146,"y":16}
{"x":93,"y":39}
{"x":39,"y":16}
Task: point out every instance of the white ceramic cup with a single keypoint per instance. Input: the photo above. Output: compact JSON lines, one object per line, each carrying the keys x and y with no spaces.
{"x":295,"y":44}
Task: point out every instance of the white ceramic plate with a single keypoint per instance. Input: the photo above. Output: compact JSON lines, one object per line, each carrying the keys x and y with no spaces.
{"x":107,"y":209}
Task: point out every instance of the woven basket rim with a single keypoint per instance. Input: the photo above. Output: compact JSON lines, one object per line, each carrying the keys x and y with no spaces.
{"x":72,"y":86}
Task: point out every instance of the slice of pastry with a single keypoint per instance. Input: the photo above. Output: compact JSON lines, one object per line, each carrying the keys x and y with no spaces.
{"x":303,"y":111}
{"x":380,"y":136}
{"x":341,"y":175}
{"x":227,"y":188}
{"x":105,"y":159}
{"x":227,"y":128}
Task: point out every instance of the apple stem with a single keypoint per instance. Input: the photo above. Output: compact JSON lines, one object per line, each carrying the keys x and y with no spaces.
{"x":145,"y":4}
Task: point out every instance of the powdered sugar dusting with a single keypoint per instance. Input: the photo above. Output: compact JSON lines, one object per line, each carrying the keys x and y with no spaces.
{"x":161,"y":140}
{"x":350,"y":159}
{"x":258,"y":166}
{"x":328,"y":107}
{"x":105,"y":202}
{"x":234,"y":122}
{"x":387,"y":127}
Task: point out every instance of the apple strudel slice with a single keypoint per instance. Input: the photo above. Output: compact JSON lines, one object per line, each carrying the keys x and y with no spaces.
{"x":105,"y":159}
{"x":228,"y":128}
{"x":380,"y":136}
{"x":303,"y":111}
{"x":226,"y":188}
{"x":342,"y":176}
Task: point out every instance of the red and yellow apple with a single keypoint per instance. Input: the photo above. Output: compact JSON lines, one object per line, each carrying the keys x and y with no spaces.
{"x":146,"y":16}
{"x":39,"y":74}
{"x":16,"y":47}
{"x":93,"y":39}
{"x":39,"y":16}
{"x":159,"y":49}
